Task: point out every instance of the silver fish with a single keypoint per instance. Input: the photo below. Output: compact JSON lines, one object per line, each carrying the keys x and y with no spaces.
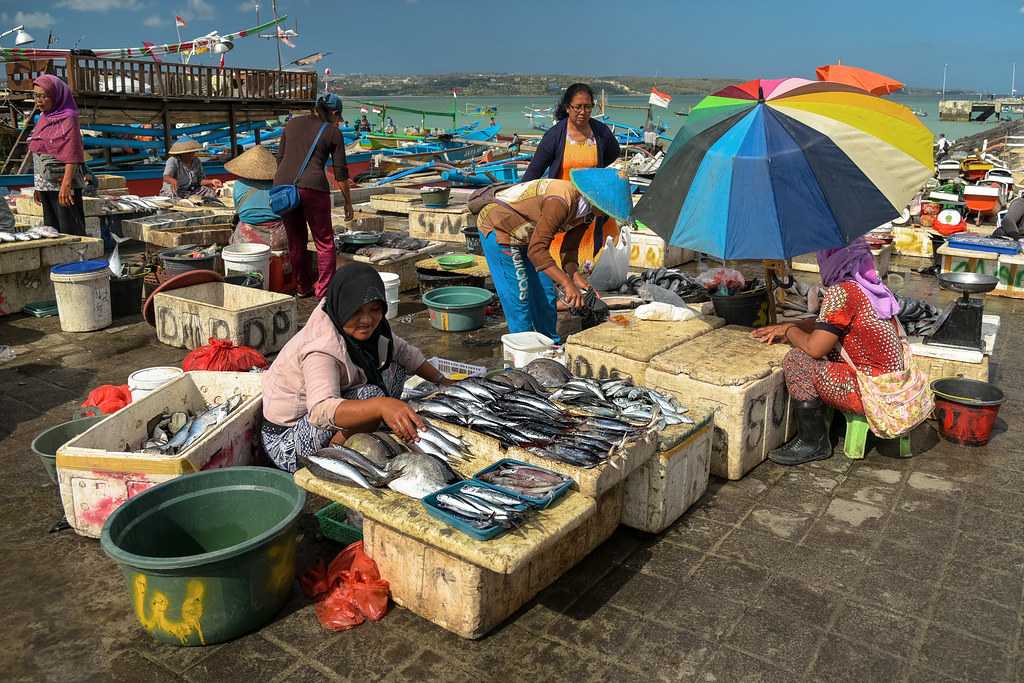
{"x":419,"y":474}
{"x":490,"y":495}
{"x":211,"y":418}
{"x":376,"y":476}
{"x":338,"y":471}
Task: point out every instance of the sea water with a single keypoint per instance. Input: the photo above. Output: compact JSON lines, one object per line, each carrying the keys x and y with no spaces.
{"x":510,"y":112}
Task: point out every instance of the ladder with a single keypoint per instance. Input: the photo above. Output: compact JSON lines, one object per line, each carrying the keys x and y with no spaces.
{"x":20,"y":142}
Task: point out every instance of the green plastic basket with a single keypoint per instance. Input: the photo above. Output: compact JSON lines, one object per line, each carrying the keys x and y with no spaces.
{"x":333,"y":525}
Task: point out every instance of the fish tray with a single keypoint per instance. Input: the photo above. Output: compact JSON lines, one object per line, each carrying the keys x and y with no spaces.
{"x":440,"y":225}
{"x":533,"y":501}
{"x":104,"y":466}
{"x":190,"y":316}
{"x":334,"y":527}
{"x":625,"y":350}
{"x":463,"y":585}
{"x":430,"y":503}
{"x":741,"y":380}
{"x":661,"y":490}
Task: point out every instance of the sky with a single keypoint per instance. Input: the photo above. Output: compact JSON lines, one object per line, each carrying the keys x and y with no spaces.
{"x":688,"y":38}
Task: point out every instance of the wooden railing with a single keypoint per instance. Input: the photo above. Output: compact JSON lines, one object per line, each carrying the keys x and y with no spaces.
{"x":134,"y":78}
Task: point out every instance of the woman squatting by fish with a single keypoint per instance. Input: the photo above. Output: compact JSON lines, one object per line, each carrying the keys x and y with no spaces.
{"x":342,"y":374}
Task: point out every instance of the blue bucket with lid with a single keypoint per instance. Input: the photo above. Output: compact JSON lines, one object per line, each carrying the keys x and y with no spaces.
{"x":82,"y":290}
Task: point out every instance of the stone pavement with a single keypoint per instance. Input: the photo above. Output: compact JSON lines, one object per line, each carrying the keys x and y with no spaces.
{"x":902,"y":570}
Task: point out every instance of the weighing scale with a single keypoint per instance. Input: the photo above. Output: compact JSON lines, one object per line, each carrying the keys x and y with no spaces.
{"x":959,"y":326}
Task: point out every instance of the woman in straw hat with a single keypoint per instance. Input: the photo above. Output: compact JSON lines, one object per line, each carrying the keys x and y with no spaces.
{"x":183,"y":173}
{"x":254,"y":171}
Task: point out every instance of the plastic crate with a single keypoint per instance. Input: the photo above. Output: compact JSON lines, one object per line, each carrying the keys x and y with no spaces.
{"x":539,"y":503}
{"x":41,"y":309}
{"x":455,"y":370}
{"x":430,"y":503}
{"x":334,"y":526}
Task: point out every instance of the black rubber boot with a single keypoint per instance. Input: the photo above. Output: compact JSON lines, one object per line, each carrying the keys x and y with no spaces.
{"x":812,"y":439}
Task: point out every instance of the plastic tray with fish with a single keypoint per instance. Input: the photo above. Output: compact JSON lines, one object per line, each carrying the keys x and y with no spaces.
{"x":484,"y":534}
{"x":539,"y":503}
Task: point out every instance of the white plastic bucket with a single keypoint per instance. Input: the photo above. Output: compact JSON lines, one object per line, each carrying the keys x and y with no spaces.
{"x":392,"y":287}
{"x":82,"y":291}
{"x":519,"y":348}
{"x":240,"y":259}
{"x":146,"y":381}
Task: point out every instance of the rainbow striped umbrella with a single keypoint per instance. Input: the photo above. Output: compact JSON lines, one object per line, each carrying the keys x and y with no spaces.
{"x":772,"y":169}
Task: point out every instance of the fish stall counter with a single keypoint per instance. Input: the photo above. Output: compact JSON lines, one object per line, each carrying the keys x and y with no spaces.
{"x":484,"y":581}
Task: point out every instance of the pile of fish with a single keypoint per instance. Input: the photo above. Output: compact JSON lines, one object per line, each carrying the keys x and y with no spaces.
{"x":514,"y":407}
{"x":42,"y":232}
{"x":482,"y":508}
{"x":377,"y":460}
{"x":667,"y":285}
{"x":172,"y":433}
{"x":917,"y":316}
{"x":390,"y":245}
{"x":620,"y":399}
{"x":525,"y":480}
{"x":801,"y":298}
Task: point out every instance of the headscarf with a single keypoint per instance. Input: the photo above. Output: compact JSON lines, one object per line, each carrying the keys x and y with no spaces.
{"x":352,"y":286}
{"x":854,"y":263}
{"x":57,"y":133}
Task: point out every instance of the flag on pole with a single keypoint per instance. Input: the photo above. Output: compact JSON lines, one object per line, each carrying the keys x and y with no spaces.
{"x":659,"y":99}
{"x":377,"y":111}
{"x":179,"y":22}
{"x":283,"y":37}
{"x":364,"y":110}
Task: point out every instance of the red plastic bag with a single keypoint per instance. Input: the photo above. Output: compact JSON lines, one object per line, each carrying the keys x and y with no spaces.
{"x":107,"y":399}
{"x":349,"y":590}
{"x":223,"y":355}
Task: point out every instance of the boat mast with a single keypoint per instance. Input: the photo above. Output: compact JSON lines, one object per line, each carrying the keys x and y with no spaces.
{"x":944,"y":67}
{"x":1013,"y":81}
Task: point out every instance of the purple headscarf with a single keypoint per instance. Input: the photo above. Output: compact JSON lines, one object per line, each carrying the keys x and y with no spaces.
{"x":855,"y":263}
{"x":57,"y":133}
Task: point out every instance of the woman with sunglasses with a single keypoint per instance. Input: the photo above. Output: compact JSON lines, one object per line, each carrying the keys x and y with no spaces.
{"x":576,"y":141}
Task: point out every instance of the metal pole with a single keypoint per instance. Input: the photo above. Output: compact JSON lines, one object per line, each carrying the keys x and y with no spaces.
{"x":944,"y":67}
{"x":277,"y":40}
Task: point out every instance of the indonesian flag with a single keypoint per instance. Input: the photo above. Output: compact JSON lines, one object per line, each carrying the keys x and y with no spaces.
{"x":327,"y":72}
{"x":659,"y":99}
{"x":376,"y":111}
{"x":283,"y":37}
{"x":364,"y":110}
{"x":179,"y":22}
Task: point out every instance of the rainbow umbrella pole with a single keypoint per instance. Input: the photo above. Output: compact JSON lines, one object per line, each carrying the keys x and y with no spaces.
{"x":772,"y":169}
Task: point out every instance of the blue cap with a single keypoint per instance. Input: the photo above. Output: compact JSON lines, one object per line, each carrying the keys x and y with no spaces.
{"x":606,"y":189}
{"x":331,"y":101}
{"x":80,"y":267}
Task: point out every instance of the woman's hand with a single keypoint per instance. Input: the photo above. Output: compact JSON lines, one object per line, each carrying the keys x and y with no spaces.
{"x":580,"y":281}
{"x":401,"y":419}
{"x":772,"y":333}
{"x":573,"y":296}
{"x":215,"y":183}
{"x":66,"y":196}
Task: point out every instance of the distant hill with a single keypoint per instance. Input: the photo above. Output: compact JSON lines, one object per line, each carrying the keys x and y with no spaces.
{"x":539,"y":85}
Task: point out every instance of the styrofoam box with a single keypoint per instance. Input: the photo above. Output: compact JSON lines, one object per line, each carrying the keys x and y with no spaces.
{"x":660,"y":491}
{"x":101,"y":468}
{"x":190,"y":316}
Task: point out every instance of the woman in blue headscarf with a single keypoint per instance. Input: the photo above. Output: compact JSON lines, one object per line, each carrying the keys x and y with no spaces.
{"x":857,"y":315}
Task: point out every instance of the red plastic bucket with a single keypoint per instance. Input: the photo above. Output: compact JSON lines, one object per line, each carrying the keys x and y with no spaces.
{"x":966,"y":409}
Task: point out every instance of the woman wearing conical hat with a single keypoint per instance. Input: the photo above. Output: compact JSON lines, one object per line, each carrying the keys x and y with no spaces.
{"x":254,"y":172}
{"x":183,"y":172}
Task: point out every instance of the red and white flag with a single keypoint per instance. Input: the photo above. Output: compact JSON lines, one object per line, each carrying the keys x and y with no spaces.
{"x":377,"y":111}
{"x":659,"y":99}
{"x":179,"y":22}
{"x":327,"y":72}
{"x":364,"y":110}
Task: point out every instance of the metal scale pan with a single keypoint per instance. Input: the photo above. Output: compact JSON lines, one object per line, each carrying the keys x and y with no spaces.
{"x":960,"y":324}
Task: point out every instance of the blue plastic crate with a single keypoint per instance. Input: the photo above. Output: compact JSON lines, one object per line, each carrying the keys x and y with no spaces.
{"x":987,"y":244}
{"x":430,"y":503}
{"x":539,"y":503}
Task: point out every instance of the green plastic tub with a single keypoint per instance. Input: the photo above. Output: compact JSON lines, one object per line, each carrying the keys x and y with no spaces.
{"x":457,"y":309}
{"x":208,"y":556}
{"x":46,"y":443}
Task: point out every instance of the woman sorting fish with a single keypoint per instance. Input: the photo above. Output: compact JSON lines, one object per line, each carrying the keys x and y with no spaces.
{"x":517,"y":229}
{"x":857,"y":319}
{"x":342,"y":374}
{"x":183,"y":172}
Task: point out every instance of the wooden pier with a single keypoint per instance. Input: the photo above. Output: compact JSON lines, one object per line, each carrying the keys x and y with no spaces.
{"x":1000,"y":109}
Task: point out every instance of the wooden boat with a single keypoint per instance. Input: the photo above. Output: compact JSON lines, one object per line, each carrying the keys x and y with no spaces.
{"x":974,"y":168}
{"x":982,"y":199}
{"x":948,"y":169}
